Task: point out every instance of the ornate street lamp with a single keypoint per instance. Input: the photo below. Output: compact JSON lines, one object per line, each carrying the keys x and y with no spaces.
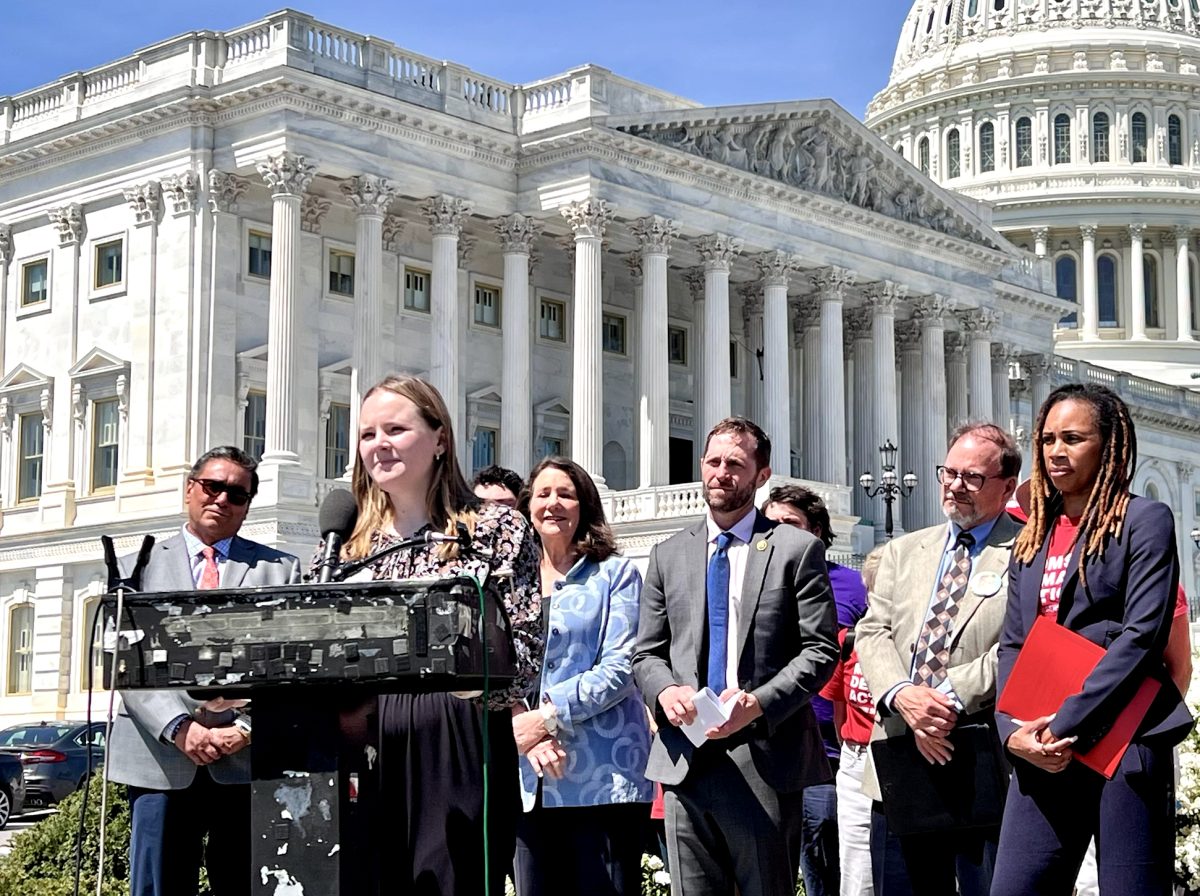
{"x":889,"y":488}
{"x":1196,"y":536}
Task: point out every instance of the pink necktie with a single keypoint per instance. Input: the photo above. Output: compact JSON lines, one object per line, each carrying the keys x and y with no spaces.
{"x":210,"y":578}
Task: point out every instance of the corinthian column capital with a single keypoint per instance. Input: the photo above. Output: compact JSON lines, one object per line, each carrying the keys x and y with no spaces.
{"x":517,"y":233}
{"x":370,"y":195}
{"x":655,"y":234}
{"x":831,"y":282}
{"x":446,"y":214}
{"x":287,"y":174}
{"x":718,"y":251}
{"x":776,"y":267}
{"x":588,"y":218}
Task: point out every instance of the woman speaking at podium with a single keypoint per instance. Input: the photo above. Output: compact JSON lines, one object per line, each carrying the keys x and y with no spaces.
{"x":1101,"y":562}
{"x":407,"y":481}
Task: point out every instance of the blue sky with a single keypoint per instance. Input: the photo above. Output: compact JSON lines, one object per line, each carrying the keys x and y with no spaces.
{"x":712,"y":52}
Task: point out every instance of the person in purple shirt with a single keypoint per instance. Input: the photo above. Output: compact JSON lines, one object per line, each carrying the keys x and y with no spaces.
{"x":796,"y":506}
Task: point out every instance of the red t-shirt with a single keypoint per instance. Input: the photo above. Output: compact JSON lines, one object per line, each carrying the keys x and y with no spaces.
{"x":848,"y":685}
{"x":1058,"y":558}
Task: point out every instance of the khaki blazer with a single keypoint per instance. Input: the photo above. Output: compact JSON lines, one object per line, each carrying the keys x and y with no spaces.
{"x":886,"y":637}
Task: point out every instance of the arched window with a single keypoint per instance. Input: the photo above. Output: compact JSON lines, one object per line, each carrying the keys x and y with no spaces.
{"x":946,"y":17}
{"x":1100,"y":137}
{"x":973,"y":7}
{"x":1151,"y":491}
{"x":1065,"y":285}
{"x":987,"y":146}
{"x":1150,"y":286}
{"x":1024,"y":142}
{"x":20,"y":649}
{"x":1106,"y":290}
{"x":1062,"y":139}
{"x":92,"y":636}
{"x":923,"y":155}
{"x":900,"y":149}
{"x":999,"y":5}
{"x":1174,"y":140}
{"x":953,"y":154}
{"x":1138,"y":136}
{"x":929,"y":21}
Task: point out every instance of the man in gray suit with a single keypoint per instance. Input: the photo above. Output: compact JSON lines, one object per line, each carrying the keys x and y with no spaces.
{"x":743,"y":606}
{"x":928,"y":648}
{"x":170,"y":749}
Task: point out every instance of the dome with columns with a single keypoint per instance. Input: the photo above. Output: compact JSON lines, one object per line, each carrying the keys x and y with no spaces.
{"x":1079,"y":122}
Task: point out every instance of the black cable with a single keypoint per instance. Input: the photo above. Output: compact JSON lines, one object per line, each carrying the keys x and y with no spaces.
{"x":87,"y":773}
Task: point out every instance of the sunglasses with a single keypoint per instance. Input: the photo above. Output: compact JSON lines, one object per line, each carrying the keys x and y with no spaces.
{"x":236,"y":495}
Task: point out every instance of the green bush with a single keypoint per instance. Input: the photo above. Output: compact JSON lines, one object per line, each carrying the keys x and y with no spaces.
{"x":42,"y":861}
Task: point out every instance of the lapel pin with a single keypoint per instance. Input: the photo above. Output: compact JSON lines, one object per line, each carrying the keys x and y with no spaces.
{"x":985,"y":584}
{"x":762,"y":544}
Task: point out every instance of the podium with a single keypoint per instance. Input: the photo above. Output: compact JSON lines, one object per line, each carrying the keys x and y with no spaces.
{"x":313,"y":659}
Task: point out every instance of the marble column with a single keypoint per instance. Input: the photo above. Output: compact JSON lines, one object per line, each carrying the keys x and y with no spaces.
{"x":1137,"y":282}
{"x":288,"y":175}
{"x":1089,"y":313}
{"x":931,"y":312}
{"x":588,"y":220}
{"x":957,"y":407}
{"x":516,"y":234}
{"x":1183,"y":281}
{"x":861,"y":404}
{"x":882,"y":299}
{"x":911,"y":445}
{"x":1001,"y":396}
{"x":717,"y":252}
{"x":446,"y":214}
{"x":694,"y":278}
{"x":370,"y":196}
{"x":141,"y":272}
{"x":808,"y":319}
{"x":776,"y":267}
{"x":796,"y":390}
{"x":978,"y":326}
{"x":6,"y":257}
{"x":831,"y":286}
{"x":751,"y":295}
{"x":1040,"y":236}
{"x":1040,"y":368}
{"x":655,"y":235}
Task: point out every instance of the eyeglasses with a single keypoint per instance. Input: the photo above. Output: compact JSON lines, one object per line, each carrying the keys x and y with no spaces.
{"x":972,"y":482}
{"x":237,"y":495}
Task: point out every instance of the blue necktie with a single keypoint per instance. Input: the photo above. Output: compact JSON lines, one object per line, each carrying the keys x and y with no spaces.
{"x":717,"y":589}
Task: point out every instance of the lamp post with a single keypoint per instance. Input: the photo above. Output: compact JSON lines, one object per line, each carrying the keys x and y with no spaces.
{"x":1196,"y":536}
{"x":889,"y":488}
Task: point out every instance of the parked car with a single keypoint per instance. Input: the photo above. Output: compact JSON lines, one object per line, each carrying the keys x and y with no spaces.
{"x":55,"y":757}
{"x":12,"y":787}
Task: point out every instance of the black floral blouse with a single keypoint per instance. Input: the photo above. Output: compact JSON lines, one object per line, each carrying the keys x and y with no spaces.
{"x":513,"y":547}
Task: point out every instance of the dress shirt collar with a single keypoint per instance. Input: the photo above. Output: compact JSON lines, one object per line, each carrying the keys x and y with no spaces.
{"x":195,"y":546}
{"x":980,"y":533}
{"x":742,"y":530}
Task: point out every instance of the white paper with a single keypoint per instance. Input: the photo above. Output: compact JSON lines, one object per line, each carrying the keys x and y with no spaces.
{"x":710,"y":713}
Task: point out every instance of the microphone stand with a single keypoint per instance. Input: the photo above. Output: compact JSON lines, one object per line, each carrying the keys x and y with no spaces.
{"x":462,"y":539}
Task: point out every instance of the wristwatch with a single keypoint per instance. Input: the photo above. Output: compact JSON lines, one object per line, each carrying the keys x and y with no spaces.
{"x":242,"y":724}
{"x":549,"y":716}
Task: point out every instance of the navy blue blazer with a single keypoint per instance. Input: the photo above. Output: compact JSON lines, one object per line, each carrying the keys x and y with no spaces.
{"x":1126,"y":608}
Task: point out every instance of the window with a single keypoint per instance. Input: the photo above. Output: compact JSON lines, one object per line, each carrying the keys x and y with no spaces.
{"x":1150,"y":288}
{"x":677,"y":345}
{"x":109,"y":257}
{"x":35,"y":282}
{"x":1024,"y":142}
{"x":1138,"y":128}
{"x":483,"y":449}
{"x":254,"y":439}
{"x":258,"y":259}
{"x":1062,"y":139}
{"x":416,"y":290}
{"x":1100,"y":151}
{"x":612,"y":329}
{"x":550,"y":447}
{"x":972,"y":7}
{"x":92,"y":641}
{"x":106,"y":431}
{"x":1174,"y":140}
{"x":733,"y":360}
{"x":953,"y":154}
{"x":987,"y":147}
{"x":1065,"y":286}
{"x":20,"y":649}
{"x":29,"y":474}
{"x":998,"y":5}
{"x":552,"y":317}
{"x":487,"y":306}
{"x":1106,"y":290}
{"x":341,"y":273}
{"x":923,"y":155}
{"x":337,"y":441}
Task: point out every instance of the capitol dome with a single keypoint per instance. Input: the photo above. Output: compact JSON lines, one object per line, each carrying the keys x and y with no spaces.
{"x":1079,"y":122}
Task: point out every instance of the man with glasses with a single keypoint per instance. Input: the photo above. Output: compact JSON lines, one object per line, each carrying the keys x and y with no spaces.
{"x":175,"y":752}
{"x":928,"y":648}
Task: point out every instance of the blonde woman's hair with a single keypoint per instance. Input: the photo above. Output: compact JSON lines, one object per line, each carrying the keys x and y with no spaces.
{"x":448,"y":500}
{"x":870,"y":567}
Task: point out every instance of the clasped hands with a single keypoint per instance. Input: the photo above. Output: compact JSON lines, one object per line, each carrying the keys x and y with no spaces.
{"x":1039,"y":746}
{"x":677,"y":705}
{"x":537,"y":745}
{"x":932,"y":716}
{"x":205,"y":746}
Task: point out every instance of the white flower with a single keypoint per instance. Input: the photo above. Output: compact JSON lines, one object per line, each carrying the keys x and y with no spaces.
{"x":662,"y":878}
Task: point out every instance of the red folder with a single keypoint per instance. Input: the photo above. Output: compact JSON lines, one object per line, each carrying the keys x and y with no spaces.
{"x":1052,"y":666}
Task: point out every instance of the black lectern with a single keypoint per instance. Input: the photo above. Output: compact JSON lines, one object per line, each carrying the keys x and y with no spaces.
{"x":312,"y":659}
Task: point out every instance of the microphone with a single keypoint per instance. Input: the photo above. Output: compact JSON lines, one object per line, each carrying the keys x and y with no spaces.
{"x":339,"y":513}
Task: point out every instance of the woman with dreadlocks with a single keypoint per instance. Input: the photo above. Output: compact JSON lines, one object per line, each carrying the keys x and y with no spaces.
{"x":1102,"y":562}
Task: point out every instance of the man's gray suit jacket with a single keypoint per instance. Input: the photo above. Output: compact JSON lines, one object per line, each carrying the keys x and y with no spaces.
{"x":787,"y":648}
{"x":136,"y":754}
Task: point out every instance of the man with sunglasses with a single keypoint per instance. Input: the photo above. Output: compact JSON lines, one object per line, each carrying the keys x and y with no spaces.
{"x":185,"y":762}
{"x":928,"y":647}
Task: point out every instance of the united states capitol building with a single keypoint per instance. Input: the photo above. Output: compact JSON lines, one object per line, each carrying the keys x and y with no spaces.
{"x":225,"y":237}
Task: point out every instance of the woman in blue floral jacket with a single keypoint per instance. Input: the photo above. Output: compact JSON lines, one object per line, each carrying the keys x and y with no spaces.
{"x":584,"y":736}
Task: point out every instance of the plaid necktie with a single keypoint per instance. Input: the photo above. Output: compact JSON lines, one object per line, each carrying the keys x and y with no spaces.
{"x":933,"y":647}
{"x":210,"y":576}
{"x":717,"y":589}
